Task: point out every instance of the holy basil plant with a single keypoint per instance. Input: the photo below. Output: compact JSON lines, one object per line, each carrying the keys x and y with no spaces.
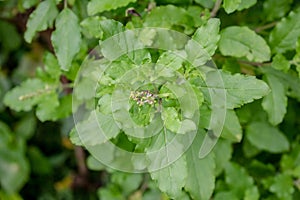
{"x":174,"y":99}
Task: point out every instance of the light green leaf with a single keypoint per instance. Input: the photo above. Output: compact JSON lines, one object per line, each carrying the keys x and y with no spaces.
{"x":225,"y":195}
{"x":275,"y":102}
{"x":222,"y":151}
{"x":171,"y":120}
{"x":252,"y":193}
{"x":111,"y":192}
{"x":237,"y":179}
{"x":231,"y":5}
{"x":91,"y":27}
{"x":276,"y":9}
{"x":168,"y":16}
{"x":232,"y":129}
{"x":200,"y":182}
{"x":246,"y":4}
{"x":208,"y":35}
{"x":129,"y":182}
{"x":286,"y":33}
{"x":14,"y":168}
{"x":14,"y":196}
{"x":206,"y":3}
{"x":281,"y":63}
{"x":96,"y":6}
{"x":40,"y":19}
{"x":66,"y":38}
{"x":51,"y":66}
{"x":240,"y":89}
{"x":266,"y":137}
{"x":171,"y":179}
{"x":46,"y":108}
{"x":28,"y":94}
{"x":282,"y":186}
{"x":97,"y":129}
{"x":242,"y":42}
{"x":290,"y":80}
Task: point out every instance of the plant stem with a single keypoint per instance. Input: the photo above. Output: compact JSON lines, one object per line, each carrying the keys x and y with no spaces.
{"x":264,"y":27}
{"x":216,"y":8}
{"x":258,"y":64}
{"x":65,"y":3}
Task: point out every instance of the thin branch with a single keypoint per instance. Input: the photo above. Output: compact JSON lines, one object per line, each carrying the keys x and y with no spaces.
{"x":216,"y":8}
{"x":264,"y":27}
{"x":258,"y":64}
{"x":65,"y":3}
{"x":80,"y":159}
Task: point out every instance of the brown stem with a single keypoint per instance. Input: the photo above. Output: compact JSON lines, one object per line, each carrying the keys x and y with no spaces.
{"x":264,"y":27}
{"x":258,"y":64}
{"x":216,"y":8}
{"x":80,"y":159}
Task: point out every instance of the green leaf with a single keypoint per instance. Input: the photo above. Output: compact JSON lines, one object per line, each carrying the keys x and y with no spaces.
{"x":111,"y":192}
{"x":128,"y":182}
{"x":290,"y":80}
{"x":41,"y":18}
{"x":90,"y":27}
{"x":275,"y":102}
{"x":92,"y":132}
{"x":200,"y":180}
{"x":28,"y":94}
{"x":4,"y":195}
{"x":246,"y":4}
{"x":281,"y":63}
{"x":208,"y":35}
{"x":51,"y":66}
{"x":46,"y":108}
{"x":232,"y":129}
{"x":206,"y":3}
{"x":237,"y":179}
{"x":242,"y":42}
{"x":171,"y":179}
{"x":286,"y":33}
{"x":231,"y":5}
{"x":171,"y":120}
{"x":225,"y":195}
{"x":252,"y":193}
{"x":276,"y":9}
{"x":96,"y":6}
{"x":9,"y":36}
{"x":168,"y":16}
{"x":14,"y":168}
{"x":266,"y":137}
{"x":240,"y":89}
{"x":222,"y":152}
{"x":282,"y":186}
{"x":66,"y":38}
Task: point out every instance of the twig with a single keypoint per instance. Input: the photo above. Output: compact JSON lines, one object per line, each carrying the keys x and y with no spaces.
{"x":216,"y":8}
{"x":65,"y":3}
{"x":258,"y":64}
{"x":80,"y":159}
{"x":264,"y":27}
